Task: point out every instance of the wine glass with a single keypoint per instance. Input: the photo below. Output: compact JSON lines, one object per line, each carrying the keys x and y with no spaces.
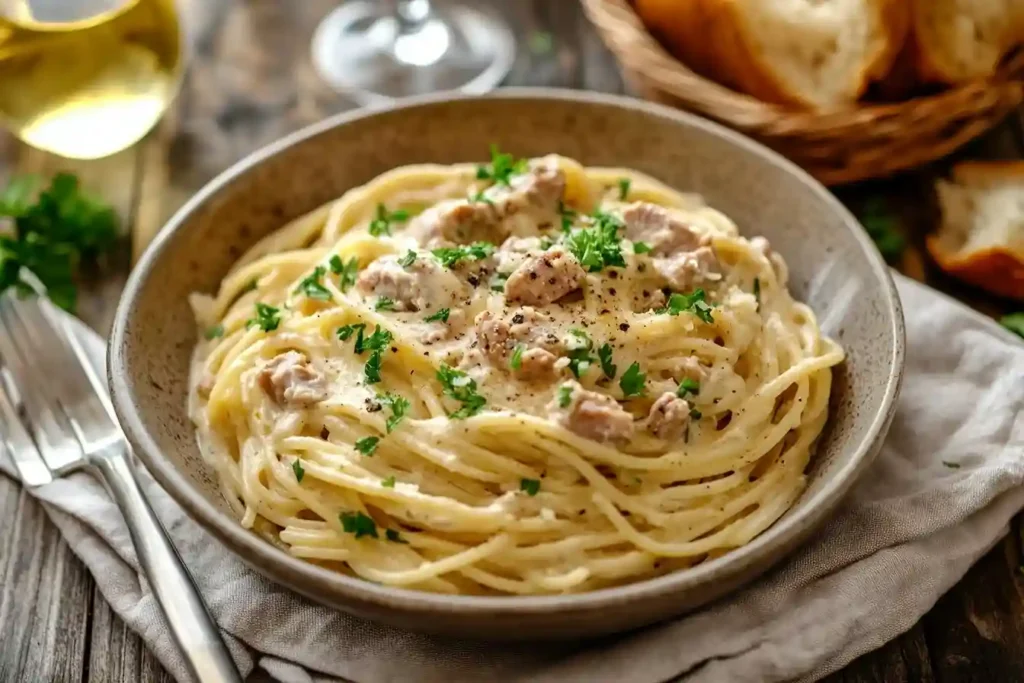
{"x":376,"y":50}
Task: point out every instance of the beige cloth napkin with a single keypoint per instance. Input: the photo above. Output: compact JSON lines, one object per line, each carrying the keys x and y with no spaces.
{"x":909,"y":532}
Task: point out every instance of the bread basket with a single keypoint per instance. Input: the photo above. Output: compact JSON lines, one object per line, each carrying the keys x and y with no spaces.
{"x":869,"y":141}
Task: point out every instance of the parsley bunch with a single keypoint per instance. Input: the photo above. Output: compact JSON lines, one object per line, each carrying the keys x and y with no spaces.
{"x":52,"y":233}
{"x":502,"y":167}
{"x":451,"y":256}
{"x":599,"y":246}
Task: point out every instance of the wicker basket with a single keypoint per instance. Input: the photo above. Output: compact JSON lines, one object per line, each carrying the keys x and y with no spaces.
{"x":871,"y":141}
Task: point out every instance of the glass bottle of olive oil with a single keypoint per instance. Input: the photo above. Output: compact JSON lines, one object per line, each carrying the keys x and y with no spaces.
{"x":87,"y":78}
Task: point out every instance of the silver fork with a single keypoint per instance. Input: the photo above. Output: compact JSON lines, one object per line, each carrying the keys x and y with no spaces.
{"x":49,"y":383}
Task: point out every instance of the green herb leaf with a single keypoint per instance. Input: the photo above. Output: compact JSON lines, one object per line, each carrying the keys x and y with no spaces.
{"x":579,"y":346}
{"x":384,"y":304}
{"x":687,"y":386}
{"x":408,"y":259}
{"x":695,"y":414}
{"x":530,"y":486}
{"x":568,"y":216}
{"x":624,"y":185}
{"x":268,"y":318}
{"x":399,"y":406}
{"x":633,"y":381}
{"x":367,"y":445}
{"x":694,"y":303}
{"x":346,"y":269}
{"x":516,"y":361}
{"x":564,"y":395}
{"x":388,"y":483}
{"x":372,"y":368}
{"x":378,"y":341}
{"x":450,"y":256}
{"x":497,"y":283}
{"x":462,"y":388}
{"x":599,"y":246}
{"x":394,"y":537}
{"x":502,"y":167}
{"x":1014,"y":322}
{"x":479,"y":197}
{"x":440,"y":315}
{"x":641,"y":247}
{"x":250,"y":286}
{"x":382,"y":223}
{"x":359,"y":524}
{"x":298,"y":470}
{"x":214,"y":332}
{"x":345,"y":332}
{"x":313,"y":287}
{"x":883,"y":228}
{"x":951,"y":465}
{"x":604,"y":354}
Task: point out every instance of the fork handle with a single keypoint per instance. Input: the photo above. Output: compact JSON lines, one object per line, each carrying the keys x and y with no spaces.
{"x":191,"y":624}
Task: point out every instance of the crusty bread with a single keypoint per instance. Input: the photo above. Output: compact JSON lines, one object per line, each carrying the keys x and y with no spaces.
{"x":819,"y":54}
{"x":981,"y":237}
{"x":962,"y":40}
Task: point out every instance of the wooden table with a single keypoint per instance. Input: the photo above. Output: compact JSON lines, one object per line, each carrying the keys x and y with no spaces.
{"x":252,"y":81}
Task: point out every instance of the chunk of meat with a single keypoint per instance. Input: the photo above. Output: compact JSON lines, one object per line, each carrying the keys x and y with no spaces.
{"x":536,"y":365}
{"x":685,"y":270}
{"x":545,"y":278}
{"x":513,"y":252}
{"x":526,"y":207}
{"x":423,"y":285}
{"x":291,"y":381}
{"x":593,"y":416}
{"x":661,"y":231}
{"x":669,"y":417}
{"x":497,"y":336}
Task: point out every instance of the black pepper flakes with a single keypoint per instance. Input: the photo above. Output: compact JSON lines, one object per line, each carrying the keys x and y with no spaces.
{"x":518,"y":319}
{"x":624,"y":327}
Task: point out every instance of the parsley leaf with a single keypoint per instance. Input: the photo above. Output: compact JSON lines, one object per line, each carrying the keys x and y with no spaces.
{"x":632,"y":382}
{"x":214,"y":331}
{"x":599,"y":246}
{"x":462,"y":388}
{"x":480,"y":197}
{"x":568,"y":216}
{"x":372,"y":368}
{"x":529,"y":486}
{"x":883,"y":228}
{"x":604,"y":354}
{"x":1014,"y":322}
{"x":394,"y":536}
{"x":951,"y":465}
{"x":695,"y":414}
{"x":300,"y":472}
{"x":687,"y":386}
{"x":345,"y":332}
{"x":641,"y":247}
{"x":516,"y":361}
{"x":346,"y":269}
{"x":384,"y":304}
{"x":450,"y":256}
{"x":367,"y":445}
{"x":497,"y":283}
{"x":564,"y":395}
{"x":388,"y":483}
{"x":579,"y":346}
{"x":312,"y":286}
{"x":376,"y":343}
{"x":624,"y":185}
{"x":440,"y":315}
{"x":694,"y":302}
{"x":267,"y":318}
{"x":359,"y":524}
{"x":381,"y":224}
{"x":399,"y":405}
{"x":408,"y":259}
{"x":502,"y":167}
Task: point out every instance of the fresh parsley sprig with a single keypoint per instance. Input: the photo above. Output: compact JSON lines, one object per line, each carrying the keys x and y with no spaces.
{"x":399,"y":406}
{"x":346,"y":270}
{"x":599,"y":246}
{"x":462,"y":388}
{"x":268,"y":318}
{"x":502,"y":167}
{"x":384,"y":220}
{"x":359,"y":524}
{"x":579,"y":345}
{"x":313,"y":286}
{"x":694,"y":302}
{"x":633,"y":381}
{"x":530,"y":487}
{"x":451,"y":256}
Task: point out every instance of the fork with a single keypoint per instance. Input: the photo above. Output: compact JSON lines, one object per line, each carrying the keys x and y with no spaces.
{"x":48,"y":382}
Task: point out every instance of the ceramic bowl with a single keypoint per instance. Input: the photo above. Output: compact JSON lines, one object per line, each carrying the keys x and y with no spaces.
{"x":834,"y":268}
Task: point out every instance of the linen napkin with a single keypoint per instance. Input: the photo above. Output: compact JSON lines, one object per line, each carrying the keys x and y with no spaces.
{"x":940,"y":494}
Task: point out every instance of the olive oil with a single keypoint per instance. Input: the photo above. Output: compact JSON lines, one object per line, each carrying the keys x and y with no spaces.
{"x":87,"y":87}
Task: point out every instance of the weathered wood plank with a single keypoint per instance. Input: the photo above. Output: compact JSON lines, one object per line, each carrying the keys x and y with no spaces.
{"x":117,"y":655}
{"x":904,"y":660}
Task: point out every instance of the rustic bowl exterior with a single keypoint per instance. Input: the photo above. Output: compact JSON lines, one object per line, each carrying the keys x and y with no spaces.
{"x":833,"y":267}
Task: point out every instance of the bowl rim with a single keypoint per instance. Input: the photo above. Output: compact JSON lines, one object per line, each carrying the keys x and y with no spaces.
{"x":275,"y":562}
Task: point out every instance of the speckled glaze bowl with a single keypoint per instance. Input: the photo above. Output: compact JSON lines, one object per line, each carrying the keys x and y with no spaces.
{"x":833,"y":267}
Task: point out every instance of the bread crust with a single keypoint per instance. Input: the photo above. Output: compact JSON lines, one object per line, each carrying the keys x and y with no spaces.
{"x":928,"y":57}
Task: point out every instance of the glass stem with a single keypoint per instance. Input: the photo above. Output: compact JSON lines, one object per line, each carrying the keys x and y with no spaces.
{"x":412,"y":14}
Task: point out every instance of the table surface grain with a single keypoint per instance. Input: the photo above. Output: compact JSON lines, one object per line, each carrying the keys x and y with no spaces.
{"x":251,"y":81}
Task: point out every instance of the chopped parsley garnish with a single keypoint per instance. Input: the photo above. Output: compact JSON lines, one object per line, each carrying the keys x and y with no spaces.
{"x":372,"y":368}
{"x":564,"y":395}
{"x":388,"y":483}
{"x":694,"y":302}
{"x":299,"y":471}
{"x":313,"y":287}
{"x":687,"y":386}
{"x":376,"y":343}
{"x":516,"y":361}
{"x":267,"y":318}
{"x":951,"y":465}
{"x":346,"y":269}
{"x":480,"y":197}
{"x":214,"y":331}
{"x":624,"y":184}
{"x":408,"y":259}
{"x":345,"y":332}
{"x":394,"y":536}
{"x":1014,"y":322}
{"x":641,"y":247}
{"x":367,"y":445}
{"x":399,"y":405}
{"x":440,"y":315}
{"x":462,"y":388}
{"x":757,"y":292}
{"x":381,"y":225}
{"x":568,"y":216}
{"x":384,"y":304}
{"x":696,"y":414}
{"x":599,"y":246}
{"x":359,"y":524}
{"x":632,"y":382}
{"x":450,"y":256}
{"x":529,"y":486}
{"x":604,"y":354}
{"x":498,"y":282}
{"x":502,"y":167}
{"x":579,"y":346}
{"x":883,"y":228}
{"x":250,"y":286}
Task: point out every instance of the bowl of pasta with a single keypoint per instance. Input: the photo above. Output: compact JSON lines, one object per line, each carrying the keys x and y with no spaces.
{"x":536,"y":364}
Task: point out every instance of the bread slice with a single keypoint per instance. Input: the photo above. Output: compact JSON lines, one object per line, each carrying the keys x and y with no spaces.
{"x":819,"y":54}
{"x":962,"y":40}
{"x":981,"y":237}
